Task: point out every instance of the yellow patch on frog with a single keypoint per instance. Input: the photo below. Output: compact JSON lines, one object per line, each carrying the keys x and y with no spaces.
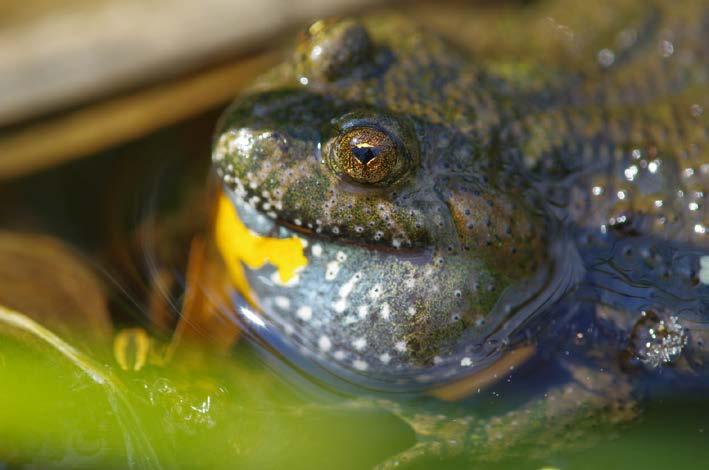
{"x":240,"y":246}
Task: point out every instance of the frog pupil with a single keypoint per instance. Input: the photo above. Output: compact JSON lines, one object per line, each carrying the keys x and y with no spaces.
{"x":365,"y":155}
{"x":365,"y":152}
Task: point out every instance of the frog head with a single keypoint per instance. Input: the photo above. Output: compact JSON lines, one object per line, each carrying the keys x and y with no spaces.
{"x":378,"y":146}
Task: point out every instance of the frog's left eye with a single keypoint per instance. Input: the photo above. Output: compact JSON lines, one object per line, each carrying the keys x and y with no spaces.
{"x":366,"y":154}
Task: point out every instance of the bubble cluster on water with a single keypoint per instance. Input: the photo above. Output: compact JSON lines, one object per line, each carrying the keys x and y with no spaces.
{"x":189,"y":410}
{"x":657,"y":340}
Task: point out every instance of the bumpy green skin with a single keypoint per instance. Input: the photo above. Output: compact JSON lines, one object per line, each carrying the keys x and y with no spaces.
{"x":533,"y":129}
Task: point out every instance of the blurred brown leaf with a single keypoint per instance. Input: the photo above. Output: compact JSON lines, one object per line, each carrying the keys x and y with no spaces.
{"x":47,"y":281}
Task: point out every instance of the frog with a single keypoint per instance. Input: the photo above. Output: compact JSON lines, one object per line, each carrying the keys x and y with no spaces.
{"x":417,"y":215}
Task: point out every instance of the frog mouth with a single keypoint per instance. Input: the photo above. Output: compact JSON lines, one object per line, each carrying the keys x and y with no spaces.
{"x":264,"y":225}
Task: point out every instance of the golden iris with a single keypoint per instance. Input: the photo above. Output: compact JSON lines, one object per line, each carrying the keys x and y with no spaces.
{"x":366,"y":155}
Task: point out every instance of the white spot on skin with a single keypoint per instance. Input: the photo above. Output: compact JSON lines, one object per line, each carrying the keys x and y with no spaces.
{"x":384,"y":312}
{"x":341,"y":257}
{"x":385,"y":358}
{"x":375,"y":292}
{"x":340,"y":305}
{"x":362,"y":311}
{"x":347,"y":287}
{"x":606,"y":57}
{"x":282,"y":302}
{"x":316,"y":250}
{"x":339,"y":355}
{"x":411,"y":311}
{"x":437,"y":360}
{"x":360,"y":365}
{"x":400,"y":346}
{"x":466,"y":362}
{"x":666,"y":48}
{"x":305,"y":313}
{"x":359,"y":344}
{"x":324,"y":343}
{"x":333,"y":267}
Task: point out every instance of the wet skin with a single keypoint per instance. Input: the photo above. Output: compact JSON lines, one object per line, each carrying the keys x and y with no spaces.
{"x":437,"y":208}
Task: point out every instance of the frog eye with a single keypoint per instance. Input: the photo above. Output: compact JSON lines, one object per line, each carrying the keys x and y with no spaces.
{"x":366,"y":154}
{"x":371,"y":148}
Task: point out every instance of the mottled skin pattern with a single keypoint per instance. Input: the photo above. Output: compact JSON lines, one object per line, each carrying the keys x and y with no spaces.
{"x":548,"y":190}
